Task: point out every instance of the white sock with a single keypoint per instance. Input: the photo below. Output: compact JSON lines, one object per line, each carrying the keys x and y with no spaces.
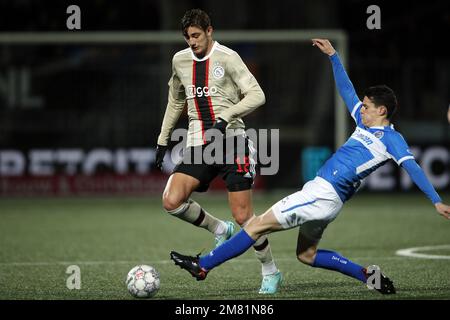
{"x":221,"y":228}
{"x":268,"y":268}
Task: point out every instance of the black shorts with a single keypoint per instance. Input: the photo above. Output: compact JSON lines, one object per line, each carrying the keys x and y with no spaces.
{"x":237,"y":166}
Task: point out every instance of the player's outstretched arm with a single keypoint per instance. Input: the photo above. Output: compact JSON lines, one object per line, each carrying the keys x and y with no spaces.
{"x":324,"y":45}
{"x":343,"y":83}
{"x":418,"y":176}
{"x":443,"y":210}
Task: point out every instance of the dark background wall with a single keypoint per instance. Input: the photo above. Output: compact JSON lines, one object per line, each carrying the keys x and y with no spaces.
{"x":114,"y":96}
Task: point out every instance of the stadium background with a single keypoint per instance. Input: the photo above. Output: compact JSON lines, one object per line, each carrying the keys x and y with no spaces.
{"x":107,"y":101}
{"x":75,"y":120}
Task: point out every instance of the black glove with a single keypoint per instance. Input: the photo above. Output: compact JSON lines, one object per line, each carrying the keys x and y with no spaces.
{"x":220,"y":125}
{"x":160,"y":153}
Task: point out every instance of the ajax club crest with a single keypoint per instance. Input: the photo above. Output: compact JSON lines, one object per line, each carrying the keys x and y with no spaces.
{"x":218,"y":72}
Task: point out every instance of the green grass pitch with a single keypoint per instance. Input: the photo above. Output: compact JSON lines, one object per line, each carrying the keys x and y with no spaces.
{"x":40,"y":238}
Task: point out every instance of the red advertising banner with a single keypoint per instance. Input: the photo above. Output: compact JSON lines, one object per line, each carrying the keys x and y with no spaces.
{"x":95,"y":185}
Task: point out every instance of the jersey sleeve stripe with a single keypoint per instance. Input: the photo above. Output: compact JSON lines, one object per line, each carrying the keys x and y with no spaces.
{"x":399,"y":162}
{"x":355,"y":108}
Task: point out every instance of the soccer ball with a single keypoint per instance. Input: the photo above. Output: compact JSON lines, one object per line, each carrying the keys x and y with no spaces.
{"x":143,"y":281}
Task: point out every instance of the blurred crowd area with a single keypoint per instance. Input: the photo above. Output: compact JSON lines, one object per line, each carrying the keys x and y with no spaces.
{"x":406,"y":53}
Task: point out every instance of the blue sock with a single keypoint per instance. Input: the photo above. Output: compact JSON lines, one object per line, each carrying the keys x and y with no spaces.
{"x":231,"y":248}
{"x":334,"y":261}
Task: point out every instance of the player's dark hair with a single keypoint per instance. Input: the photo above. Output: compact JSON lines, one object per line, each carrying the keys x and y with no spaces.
{"x":195,"y":17}
{"x":382,"y":95}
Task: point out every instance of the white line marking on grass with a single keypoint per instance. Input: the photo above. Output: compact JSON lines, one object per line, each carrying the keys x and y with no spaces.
{"x":49,"y":263}
{"x":136,"y":262}
{"x":411,"y":252}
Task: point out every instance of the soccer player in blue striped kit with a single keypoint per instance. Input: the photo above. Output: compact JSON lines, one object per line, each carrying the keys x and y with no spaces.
{"x":371,"y":145}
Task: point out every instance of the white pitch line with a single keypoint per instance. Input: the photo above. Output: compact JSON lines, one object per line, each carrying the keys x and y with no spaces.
{"x":411,"y":252}
{"x":135,"y":262}
{"x":62,"y":263}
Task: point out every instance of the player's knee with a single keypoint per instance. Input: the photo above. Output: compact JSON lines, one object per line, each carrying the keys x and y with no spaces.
{"x":171,"y":201}
{"x":240,"y":220}
{"x":241,"y":216}
{"x":241,"y":213}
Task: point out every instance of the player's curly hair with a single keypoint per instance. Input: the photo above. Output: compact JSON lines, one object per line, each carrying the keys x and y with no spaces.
{"x":382,"y":95}
{"x":195,"y":17}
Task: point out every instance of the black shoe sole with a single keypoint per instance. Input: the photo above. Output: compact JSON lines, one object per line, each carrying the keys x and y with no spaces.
{"x":198,"y":277}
